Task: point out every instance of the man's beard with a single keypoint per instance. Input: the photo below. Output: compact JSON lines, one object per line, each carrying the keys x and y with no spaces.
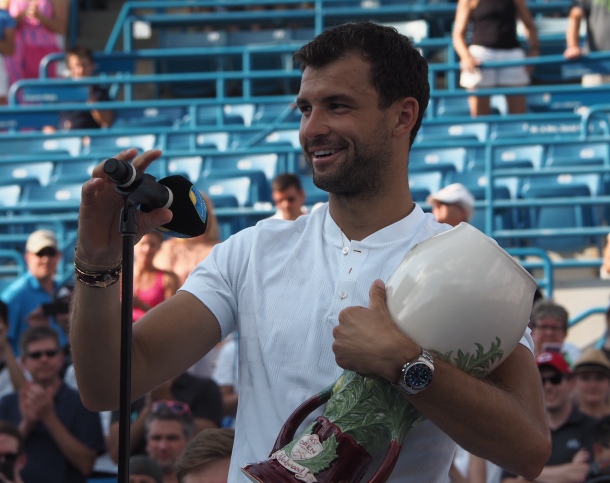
{"x":362,"y":172}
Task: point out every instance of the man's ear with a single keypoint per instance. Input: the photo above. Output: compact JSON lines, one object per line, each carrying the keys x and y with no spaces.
{"x":406,"y":112}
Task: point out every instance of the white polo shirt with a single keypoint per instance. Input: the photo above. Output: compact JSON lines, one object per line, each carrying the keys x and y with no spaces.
{"x":282,"y":284}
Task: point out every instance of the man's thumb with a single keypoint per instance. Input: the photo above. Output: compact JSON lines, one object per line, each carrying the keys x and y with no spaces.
{"x":377,"y":296}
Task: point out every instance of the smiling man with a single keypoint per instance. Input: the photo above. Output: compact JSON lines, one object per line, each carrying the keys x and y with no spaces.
{"x":296,"y":291}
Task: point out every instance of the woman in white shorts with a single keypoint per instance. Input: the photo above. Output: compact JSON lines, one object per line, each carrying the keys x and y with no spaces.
{"x":494,"y":38}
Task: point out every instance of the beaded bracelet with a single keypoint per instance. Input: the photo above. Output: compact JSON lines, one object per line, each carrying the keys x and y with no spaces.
{"x":102,"y":279}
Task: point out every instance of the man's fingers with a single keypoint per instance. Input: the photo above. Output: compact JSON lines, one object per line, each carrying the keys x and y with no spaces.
{"x":143,"y":161}
{"x":377,"y":297}
{"x":127,"y":155}
{"x":147,"y":222}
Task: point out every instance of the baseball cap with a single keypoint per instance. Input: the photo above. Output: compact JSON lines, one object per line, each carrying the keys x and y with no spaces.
{"x":592,"y":360}
{"x":554,"y":360}
{"x":143,"y":465}
{"x":40,"y":239}
{"x":455,"y":194}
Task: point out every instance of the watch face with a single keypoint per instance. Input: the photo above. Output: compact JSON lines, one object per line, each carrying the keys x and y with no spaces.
{"x":418,"y":376}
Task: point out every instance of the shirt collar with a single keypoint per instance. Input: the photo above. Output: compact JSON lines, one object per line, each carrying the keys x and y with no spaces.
{"x":400,"y":230}
{"x":33,"y":281}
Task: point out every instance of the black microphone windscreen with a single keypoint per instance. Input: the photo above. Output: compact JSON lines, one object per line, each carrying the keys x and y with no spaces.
{"x":190,"y":215}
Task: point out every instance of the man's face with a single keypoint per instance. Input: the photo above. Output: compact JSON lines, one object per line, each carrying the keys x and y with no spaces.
{"x":43,"y":360}
{"x":346,"y":138}
{"x":80,"y":67}
{"x":592,"y":386}
{"x":9,"y":450}
{"x":141,"y":479}
{"x":166,"y":440}
{"x":452,"y":214}
{"x":214,"y":472}
{"x":557,"y":389}
{"x":42,"y":264}
{"x":547,"y":330}
{"x":289,"y":202}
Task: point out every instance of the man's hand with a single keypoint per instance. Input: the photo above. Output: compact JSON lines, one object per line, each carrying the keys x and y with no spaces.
{"x":572,"y":52}
{"x":26,"y":404}
{"x":469,"y":64}
{"x":38,"y":402}
{"x":99,"y":242}
{"x":368,"y":340}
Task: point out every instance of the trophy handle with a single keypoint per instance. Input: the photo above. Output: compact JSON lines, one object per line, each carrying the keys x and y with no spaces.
{"x":385,"y":470}
{"x":298,"y":416}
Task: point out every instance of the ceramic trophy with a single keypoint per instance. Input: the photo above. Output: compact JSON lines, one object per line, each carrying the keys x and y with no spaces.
{"x":457,"y":294}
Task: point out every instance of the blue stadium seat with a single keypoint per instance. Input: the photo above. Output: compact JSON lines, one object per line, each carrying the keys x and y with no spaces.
{"x":111,"y":144}
{"x":9,"y":195}
{"x":549,"y":217}
{"x":269,"y":164}
{"x":514,"y":129}
{"x":578,"y":154}
{"x":245,"y":112}
{"x":266,"y":113}
{"x":566,"y":101}
{"x":25,"y":173}
{"x":239,"y":187}
{"x":423,"y":184}
{"x":212,"y":115}
{"x":455,"y":157}
{"x":191,"y":167}
{"x":304,"y":34}
{"x":68,"y":172}
{"x":192,"y":64}
{"x":43,"y":144}
{"x":313,"y":194}
{"x":191,"y":141}
{"x":284,"y":137}
{"x":47,"y":94}
{"x":68,"y":194}
{"x":442,"y":132}
{"x":507,"y":157}
{"x":452,"y":106}
{"x":150,"y":117}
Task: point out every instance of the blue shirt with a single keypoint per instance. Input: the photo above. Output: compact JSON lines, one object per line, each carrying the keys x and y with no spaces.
{"x":23,"y":296}
{"x":46,"y":463}
{"x":6,"y":22}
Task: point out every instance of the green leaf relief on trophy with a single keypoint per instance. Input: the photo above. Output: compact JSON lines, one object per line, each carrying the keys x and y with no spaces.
{"x":322,"y":461}
{"x":289,"y":446}
{"x":477,"y":365}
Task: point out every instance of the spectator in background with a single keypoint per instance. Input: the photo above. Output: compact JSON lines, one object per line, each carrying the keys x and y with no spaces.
{"x":144,"y":470}
{"x":150,"y":285}
{"x":452,"y":205}
{"x":601,"y":452}
{"x":494,"y":38}
{"x":169,"y":428}
{"x":182,"y":255}
{"x":12,"y":452}
{"x":571,"y":431}
{"x":225,"y":375}
{"x":11,"y":376}
{"x":597,"y":15}
{"x":549,"y":324}
{"x":200,"y":395}
{"x":7,"y":47}
{"x":288,"y":197}
{"x":592,"y":383}
{"x":26,"y":295}
{"x":81,"y":64}
{"x":207,"y":457}
{"x":39,"y":23}
{"x":62,"y":438}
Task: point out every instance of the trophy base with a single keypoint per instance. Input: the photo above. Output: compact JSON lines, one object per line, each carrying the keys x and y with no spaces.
{"x":349,"y":467}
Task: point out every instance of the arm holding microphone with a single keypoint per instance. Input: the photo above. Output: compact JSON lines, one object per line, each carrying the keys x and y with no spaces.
{"x":95,"y":333}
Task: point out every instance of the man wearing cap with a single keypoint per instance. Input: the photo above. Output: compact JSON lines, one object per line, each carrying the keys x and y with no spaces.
{"x":452,"y":205}
{"x":571,"y":430}
{"x":592,"y":382}
{"x":25,"y":296}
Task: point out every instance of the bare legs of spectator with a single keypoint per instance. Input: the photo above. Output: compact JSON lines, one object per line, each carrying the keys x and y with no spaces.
{"x":479,"y":106}
{"x":516,"y":104}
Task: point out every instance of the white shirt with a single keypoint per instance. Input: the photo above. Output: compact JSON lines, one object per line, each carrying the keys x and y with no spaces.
{"x":282,"y":285}
{"x":225,"y":372}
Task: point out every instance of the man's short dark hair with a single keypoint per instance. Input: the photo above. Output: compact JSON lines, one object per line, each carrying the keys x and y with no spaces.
{"x":548,"y":309}
{"x":6,"y":427}
{"x":35,"y":334}
{"x":165,"y":414}
{"x":208,"y":446}
{"x":601,"y":433}
{"x":80,"y":51}
{"x":285,"y":181}
{"x":397,"y":68}
{"x":3,"y":313}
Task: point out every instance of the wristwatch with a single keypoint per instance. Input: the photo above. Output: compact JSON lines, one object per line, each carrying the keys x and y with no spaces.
{"x":417,"y":376}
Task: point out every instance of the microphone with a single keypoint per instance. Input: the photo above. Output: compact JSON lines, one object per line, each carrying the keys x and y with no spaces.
{"x":176,"y":193}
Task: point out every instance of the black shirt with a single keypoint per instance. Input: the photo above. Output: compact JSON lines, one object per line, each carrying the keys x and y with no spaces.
{"x":576,"y":433}
{"x":202,"y":396}
{"x":83,"y":119}
{"x":495,"y":24}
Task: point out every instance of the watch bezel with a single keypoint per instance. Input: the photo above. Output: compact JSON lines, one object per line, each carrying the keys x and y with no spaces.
{"x":424,"y":359}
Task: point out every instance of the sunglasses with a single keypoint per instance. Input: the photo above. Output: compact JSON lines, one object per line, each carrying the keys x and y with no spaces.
{"x":554,"y":380}
{"x":176,"y":407}
{"x":38,"y":354}
{"x":47,"y":252}
{"x":9,"y":457}
{"x":552,"y":328}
